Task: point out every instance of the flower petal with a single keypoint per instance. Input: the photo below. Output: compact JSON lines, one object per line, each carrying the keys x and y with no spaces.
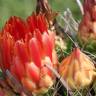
{"x":41,"y":23}
{"x":33,"y":72}
{"x":34,"y":51}
{"x":19,"y":68}
{"x":47,"y":45}
{"x":22,"y":52}
{"x":7,"y":48}
{"x":16,"y":27}
{"x":32,"y":22}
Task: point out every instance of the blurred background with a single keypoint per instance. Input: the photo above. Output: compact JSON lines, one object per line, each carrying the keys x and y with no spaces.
{"x":24,"y":8}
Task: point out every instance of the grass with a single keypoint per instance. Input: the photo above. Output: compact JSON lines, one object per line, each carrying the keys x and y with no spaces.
{"x":24,"y":8}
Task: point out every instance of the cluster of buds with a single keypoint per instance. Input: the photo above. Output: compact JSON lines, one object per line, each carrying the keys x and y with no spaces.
{"x":77,"y":70}
{"x":25,"y":48}
{"x":87,"y":28}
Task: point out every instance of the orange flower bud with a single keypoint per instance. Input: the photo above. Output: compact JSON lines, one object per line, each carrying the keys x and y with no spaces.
{"x":77,"y":69}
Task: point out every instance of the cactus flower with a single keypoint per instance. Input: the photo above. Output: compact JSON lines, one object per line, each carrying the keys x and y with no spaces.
{"x":25,"y":48}
{"x":77,"y":70}
{"x":87,"y":28}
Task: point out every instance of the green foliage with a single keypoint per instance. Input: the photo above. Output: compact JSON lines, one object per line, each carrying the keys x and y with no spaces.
{"x":69,"y":46}
{"x":94,"y":87}
{"x":1,"y":74}
{"x":20,"y":8}
{"x":62,"y":53}
{"x":91,"y":47}
{"x":23,"y":8}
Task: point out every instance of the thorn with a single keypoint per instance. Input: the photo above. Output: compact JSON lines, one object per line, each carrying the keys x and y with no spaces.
{"x":80,"y":6}
{"x":60,"y":78}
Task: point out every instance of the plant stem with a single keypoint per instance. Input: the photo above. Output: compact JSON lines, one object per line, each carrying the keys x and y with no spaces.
{"x":42,"y":6}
